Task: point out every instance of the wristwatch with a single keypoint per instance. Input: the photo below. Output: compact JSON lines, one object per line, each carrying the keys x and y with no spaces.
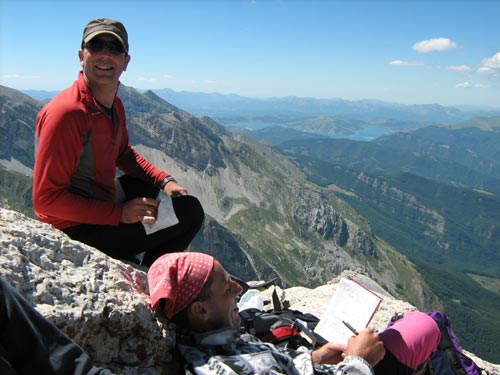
{"x":166,"y":181}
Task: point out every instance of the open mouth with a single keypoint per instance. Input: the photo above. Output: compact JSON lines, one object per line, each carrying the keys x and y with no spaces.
{"x":104,"y":67}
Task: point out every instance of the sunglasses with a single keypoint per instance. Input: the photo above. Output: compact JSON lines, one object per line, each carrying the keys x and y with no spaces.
{"x":96,"y":45}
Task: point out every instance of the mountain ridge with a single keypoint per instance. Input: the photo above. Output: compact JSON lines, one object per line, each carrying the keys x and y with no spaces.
{"x":224,"y":106}
{"x":239,"y":105}
{"x":263,"y":204}
{"x":319,"y":234}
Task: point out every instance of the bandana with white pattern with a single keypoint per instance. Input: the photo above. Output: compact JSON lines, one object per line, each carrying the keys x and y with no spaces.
{"x":179,"y":278}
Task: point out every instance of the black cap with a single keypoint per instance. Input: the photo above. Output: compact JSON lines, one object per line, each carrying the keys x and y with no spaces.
{"x":105,"y":26}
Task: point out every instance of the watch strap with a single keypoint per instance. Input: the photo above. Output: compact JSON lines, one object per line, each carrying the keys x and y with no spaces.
{"x":166,"y":181}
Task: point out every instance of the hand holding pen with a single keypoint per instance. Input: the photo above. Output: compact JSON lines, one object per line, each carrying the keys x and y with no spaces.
{"x":365,"y":344}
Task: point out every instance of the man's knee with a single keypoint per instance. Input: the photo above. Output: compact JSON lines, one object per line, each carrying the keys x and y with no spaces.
{"x":197,"y":210}
{"x":189,"y":209}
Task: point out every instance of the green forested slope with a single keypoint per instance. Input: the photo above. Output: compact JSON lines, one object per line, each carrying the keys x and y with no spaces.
{"x":446,"y":231}
{"x":465,"y":165}
{"x":473,"y":310}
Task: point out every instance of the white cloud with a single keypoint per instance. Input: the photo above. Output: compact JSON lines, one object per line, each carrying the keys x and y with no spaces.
{"x":209,"y":81}
{"x":485,"y":70}
{"x":468,"y":85}
{"x":434,"y":45}
{"x":167,"y":76}
{"x":460,"y":68}
{"x":490,"y":65}
{"x":406,"y":63}
{"x":17,"y":76}
{"x":492,"y":62}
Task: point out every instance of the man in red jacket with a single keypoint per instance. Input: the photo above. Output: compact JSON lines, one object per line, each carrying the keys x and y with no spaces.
{"x":81,"y":139}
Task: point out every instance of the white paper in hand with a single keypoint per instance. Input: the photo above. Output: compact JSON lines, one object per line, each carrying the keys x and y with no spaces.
{"x":166,"y":215}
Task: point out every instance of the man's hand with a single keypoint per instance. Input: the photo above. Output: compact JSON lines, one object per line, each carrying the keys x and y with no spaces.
{"x":330,"y":353}
{"x":139,"y":209}
{"x":366,"y":345}
{"x":175,"y":190}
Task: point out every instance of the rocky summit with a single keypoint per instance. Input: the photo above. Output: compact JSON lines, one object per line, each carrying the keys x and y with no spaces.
{"x":102,"y":303}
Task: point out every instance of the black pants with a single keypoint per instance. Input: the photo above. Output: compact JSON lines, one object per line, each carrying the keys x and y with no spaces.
{"x":124,"y":241}
{"x":30,"y":344}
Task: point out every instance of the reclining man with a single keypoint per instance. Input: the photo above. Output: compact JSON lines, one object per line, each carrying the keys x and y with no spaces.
{"x":196,"y":293}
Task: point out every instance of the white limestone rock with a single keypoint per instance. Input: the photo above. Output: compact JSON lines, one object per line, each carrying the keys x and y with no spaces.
{"x":99,"y":302}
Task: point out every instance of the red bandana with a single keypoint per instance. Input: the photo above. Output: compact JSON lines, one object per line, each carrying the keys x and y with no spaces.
{"x":179,"y":278}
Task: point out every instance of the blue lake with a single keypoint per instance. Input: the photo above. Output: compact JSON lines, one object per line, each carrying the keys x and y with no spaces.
{"x":364,"y":134}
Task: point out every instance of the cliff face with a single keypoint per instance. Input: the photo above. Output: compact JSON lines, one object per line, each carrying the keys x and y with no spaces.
{"x":103,"y":304}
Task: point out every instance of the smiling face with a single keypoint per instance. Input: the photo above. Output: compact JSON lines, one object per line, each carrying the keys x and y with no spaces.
{"x":103,"y":69}
{"x":220,"y":309}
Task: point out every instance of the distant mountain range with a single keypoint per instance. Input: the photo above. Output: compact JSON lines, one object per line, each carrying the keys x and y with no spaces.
{"x":231,"y":109}
{"x":40,"y":95}
{"x":310,"y":207}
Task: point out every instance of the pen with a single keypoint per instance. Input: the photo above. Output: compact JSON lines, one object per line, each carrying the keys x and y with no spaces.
{"x":353,"y":330}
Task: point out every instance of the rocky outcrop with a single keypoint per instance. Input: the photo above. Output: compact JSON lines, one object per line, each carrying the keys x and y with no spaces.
{"x":99,"y":302}
{"x":103,"y":303}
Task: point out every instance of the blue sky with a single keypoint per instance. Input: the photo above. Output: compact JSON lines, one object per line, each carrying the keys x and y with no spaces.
{"x":410,"y":52}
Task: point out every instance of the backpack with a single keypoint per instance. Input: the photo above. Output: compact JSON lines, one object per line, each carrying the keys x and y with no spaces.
{"x":284,"y":328}
{"x":448,"y":359}
{"x":280,"y":326}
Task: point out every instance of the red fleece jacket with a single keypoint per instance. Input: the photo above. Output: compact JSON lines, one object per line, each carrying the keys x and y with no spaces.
{"x":78,"y":148}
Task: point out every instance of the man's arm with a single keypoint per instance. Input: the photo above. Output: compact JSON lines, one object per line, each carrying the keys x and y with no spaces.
{"x":366,"y":345}
{"x":363,"y":350}
{"x":137,"y":166}
{"x":132,"y":163}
